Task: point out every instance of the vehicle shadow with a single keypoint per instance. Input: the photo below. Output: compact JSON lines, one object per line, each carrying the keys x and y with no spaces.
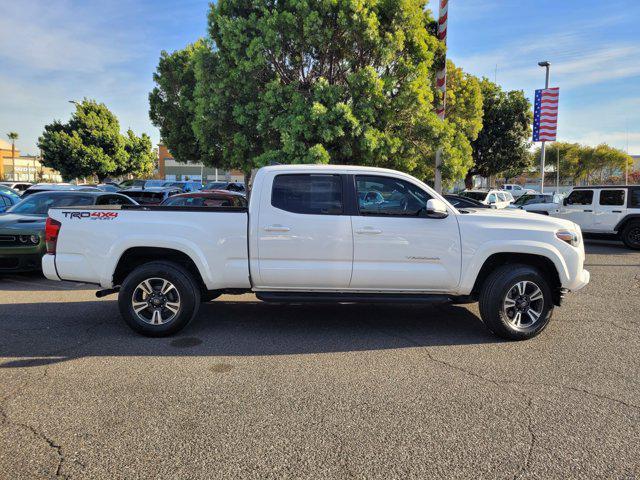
{"x":41,"y":334}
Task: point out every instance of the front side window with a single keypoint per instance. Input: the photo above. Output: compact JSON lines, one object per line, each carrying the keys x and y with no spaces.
{"x":390,"y":197}
{"x":491,"y":198}
{"x":308,"y":194}
{"x":612,"y":197}
{"x":580,"y":197}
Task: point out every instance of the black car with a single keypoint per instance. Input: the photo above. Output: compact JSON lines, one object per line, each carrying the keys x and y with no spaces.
{"x":231,"y":186}
{"x":459,"y":201}
{"x":150,"y":195}
{"x":22,"y":239}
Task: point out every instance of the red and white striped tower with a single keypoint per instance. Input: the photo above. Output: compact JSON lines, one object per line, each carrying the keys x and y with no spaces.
{"x":441,"y":83}
{"x":441,"y":75}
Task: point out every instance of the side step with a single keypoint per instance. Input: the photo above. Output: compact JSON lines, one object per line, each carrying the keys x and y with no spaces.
{"x":331,"y":297}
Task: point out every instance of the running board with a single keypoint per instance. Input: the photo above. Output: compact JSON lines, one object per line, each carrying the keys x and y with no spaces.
{"x":330,"y":297}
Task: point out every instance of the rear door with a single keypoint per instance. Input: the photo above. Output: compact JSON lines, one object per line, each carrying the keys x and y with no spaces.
{"x":304,"y":236}
{"x":396,"y":247}
{"x":610,"y":209}
{"x":578,"y":207}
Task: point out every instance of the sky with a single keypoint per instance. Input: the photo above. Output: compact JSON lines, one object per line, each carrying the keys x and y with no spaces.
{"x":54,"y":51}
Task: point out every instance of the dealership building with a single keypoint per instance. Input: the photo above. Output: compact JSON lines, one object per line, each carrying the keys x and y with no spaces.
{"x":23,"y":168}
{"x":170,"y":169}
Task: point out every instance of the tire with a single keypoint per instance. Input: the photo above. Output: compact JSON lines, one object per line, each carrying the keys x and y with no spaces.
{"x":171,"y":295}
{"x":631,"y":235}
{"x":503,"y":288}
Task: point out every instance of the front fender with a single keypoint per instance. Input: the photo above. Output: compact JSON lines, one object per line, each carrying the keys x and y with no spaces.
{"x":474,"y":260}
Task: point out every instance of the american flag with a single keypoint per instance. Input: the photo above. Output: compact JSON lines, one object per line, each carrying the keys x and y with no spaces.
{"x":545,"y":115}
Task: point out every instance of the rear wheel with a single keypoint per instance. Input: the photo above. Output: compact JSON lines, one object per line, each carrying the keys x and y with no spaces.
{"x":631,"y":235}
{"x":516,"y":302}
{"x":158,"y":299}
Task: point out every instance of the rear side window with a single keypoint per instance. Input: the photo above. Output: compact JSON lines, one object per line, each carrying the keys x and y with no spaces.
{"x":611,"y":197}
{"x":308,"y":194}
{"x":580,"y":197}
{"x":146,"y":197}
{"x":634,"y":197}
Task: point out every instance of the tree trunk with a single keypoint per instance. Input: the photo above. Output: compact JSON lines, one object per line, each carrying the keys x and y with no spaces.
{"x":468,"y":180}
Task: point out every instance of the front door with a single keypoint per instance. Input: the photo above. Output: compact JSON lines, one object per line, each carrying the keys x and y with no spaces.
{"x":610,"y":209}
{"x":398,"y":248}
{"x":304,"y":236}
{"x":578,"y":207}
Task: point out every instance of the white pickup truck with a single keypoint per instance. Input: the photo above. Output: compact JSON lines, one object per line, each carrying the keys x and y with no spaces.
{"x":316,"y":234}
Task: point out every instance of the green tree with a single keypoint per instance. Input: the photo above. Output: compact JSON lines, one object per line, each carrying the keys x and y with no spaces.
{"x":172,"y":104}
{"x":90,"y":143}
{"x":585,"y":164}
{"x":346,"y":82}
{"x":503,"y":143}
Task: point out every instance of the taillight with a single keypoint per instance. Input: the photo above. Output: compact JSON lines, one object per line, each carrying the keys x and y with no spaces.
{"x":52,"y":230}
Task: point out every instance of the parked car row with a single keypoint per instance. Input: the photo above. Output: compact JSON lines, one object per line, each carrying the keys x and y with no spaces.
{"x":22,"y":218}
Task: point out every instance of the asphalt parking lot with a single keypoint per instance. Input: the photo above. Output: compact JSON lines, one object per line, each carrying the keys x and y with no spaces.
{"x":251,"y":390}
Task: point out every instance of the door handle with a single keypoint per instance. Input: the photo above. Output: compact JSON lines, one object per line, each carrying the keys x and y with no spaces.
{"x":276,"y":228}
{"x":616,"y":211}
{"x":368,"y":231}
{"x":588,"y":210}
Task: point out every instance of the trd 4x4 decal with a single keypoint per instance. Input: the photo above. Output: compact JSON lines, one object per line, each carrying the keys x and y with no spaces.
{"x":91,"y":215}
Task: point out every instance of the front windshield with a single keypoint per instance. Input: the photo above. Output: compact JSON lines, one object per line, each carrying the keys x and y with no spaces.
{"x":40,"y":204}
{"x":480,"y":196}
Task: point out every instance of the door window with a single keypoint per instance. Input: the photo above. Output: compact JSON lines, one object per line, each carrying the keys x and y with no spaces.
{"x":308,"y":194}
{"x":492,"y":198}
{"x":634,"y":197}
{"x":580,"y":197}
{"x":114,"y":200}
{"x":389,"y":196}
{"x":612,"y":197}
{"x":502,"y":197}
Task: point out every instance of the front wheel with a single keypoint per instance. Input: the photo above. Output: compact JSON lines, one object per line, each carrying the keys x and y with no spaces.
{"x":631,"y":235}
{"x":159,"y":299}
{"x":516,"y":302}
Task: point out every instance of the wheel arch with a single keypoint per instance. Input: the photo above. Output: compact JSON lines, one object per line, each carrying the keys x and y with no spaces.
{"x":623,"y":223}
{"x":545,"y":265}
{"x":135,"y":256}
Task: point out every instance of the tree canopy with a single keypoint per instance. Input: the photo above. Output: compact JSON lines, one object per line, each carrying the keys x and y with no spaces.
{"x":502,"y":146}
{"x":346,"y":82}
{"x":172,"y":102}
{"x":585,"y":164}
{"x":90,"y":143}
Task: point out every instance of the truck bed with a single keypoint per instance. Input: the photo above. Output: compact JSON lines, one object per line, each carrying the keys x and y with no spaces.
{"x":92,"y":240}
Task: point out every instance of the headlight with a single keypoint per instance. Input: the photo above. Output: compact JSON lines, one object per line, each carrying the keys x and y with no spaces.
{"x":568,"y":236}
{"x":35,"y":239}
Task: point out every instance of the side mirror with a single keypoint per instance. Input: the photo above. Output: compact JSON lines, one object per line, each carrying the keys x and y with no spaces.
{"x":436,"y":209}
{"x":564,"y":201}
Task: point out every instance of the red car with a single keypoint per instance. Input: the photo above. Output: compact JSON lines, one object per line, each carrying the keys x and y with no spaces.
{"x":210,"y":198}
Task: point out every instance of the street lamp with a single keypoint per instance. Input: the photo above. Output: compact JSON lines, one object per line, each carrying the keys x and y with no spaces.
{"x":546,"y":64}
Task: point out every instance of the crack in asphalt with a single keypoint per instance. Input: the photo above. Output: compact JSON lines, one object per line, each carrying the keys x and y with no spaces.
{"x":12,"y":423}
{"x":502,"y":383}
{"x":532,"y":442}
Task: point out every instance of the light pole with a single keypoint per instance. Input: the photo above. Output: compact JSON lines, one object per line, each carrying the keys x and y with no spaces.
{"x":546,"y":65}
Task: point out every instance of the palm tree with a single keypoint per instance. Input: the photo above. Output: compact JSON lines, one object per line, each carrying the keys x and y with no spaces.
{"x":13,"y":136}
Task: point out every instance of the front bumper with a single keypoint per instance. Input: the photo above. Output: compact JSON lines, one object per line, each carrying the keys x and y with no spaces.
{"x":20,"y":262}
{"x":582,"y":280}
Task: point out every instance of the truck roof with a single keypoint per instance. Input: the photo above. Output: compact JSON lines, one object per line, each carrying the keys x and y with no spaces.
{"x":605,"y":186}
{"x":338,"y":168}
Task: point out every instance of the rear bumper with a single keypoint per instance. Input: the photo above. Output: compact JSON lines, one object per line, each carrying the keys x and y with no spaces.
{"x":49,"y":267}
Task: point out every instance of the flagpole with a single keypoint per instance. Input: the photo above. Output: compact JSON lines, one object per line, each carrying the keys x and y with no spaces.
{"x":441,"y":83}
{"x":546,"y":65}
